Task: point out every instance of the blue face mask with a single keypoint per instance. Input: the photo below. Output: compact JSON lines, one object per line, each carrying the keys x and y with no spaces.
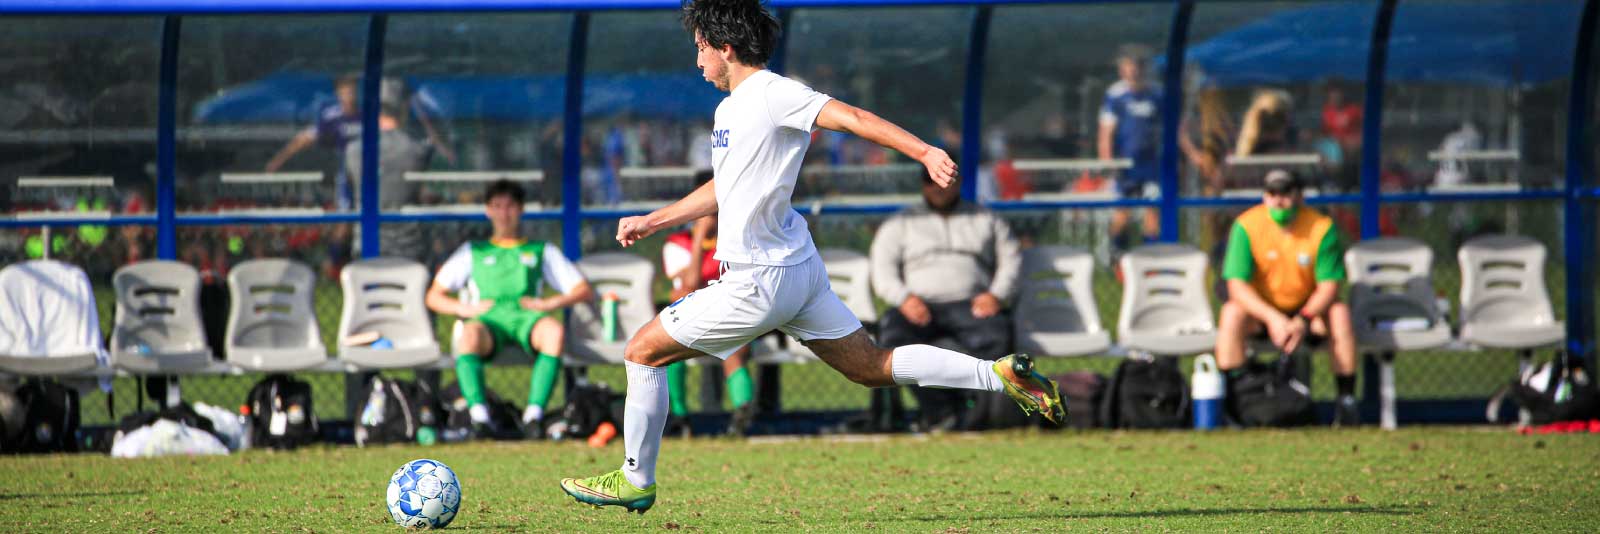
{"x":1282,"y":216}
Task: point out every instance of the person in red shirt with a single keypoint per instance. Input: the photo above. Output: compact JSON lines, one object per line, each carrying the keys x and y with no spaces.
{"x":689,"y":259}
{"x":1341,"y":119}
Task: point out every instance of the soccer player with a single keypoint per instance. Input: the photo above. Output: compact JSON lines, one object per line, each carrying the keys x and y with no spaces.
{"x":1129,"y":123}
{"x":507,"y":272}
{"x":689,"y":260}
{"x":772,"y":276}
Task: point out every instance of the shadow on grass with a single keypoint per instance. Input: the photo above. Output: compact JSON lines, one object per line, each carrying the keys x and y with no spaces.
{"x":1190,"y":512}
{"x":1149,"y":514}
{"x":76,"y":495}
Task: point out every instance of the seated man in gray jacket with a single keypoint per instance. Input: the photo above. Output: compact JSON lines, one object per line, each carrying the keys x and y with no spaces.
{"x":948,"y":268}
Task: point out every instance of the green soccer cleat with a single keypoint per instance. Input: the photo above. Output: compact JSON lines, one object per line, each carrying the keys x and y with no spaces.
{"x":1032,"y":391}
{"x":610,"y":489}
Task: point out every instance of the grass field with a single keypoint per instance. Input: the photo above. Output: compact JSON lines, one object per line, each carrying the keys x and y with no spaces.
{"x":1415,"y":479}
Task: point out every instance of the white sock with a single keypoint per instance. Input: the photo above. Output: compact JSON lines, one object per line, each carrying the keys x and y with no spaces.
{"x":930,"y":366}
{"x":532,"y":413}
{"x":479,"y":413}
{"x":642,"y":422}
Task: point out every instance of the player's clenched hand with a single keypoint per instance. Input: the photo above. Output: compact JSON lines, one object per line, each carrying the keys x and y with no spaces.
{"x":940,"y":166}
{"x":632,"y":229}
{"x":469,"y":310}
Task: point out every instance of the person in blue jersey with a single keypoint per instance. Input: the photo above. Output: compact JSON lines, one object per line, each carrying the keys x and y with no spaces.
{"x":1130,"y":123}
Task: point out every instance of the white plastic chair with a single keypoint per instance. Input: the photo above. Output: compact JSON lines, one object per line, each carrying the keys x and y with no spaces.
{"x":1392,"y":303}
{"x":271,"y":325}
{"x":1166,"y":305}
{"x":1056,"y":313}
{"x":1392,"y":307}
{"x":49,"y":325}
{"x":385,"y":296}
{"x":631,"y":278}
{"x":1504,"y":302}
{"x":158,"y":326}
{"x":849,"y":274}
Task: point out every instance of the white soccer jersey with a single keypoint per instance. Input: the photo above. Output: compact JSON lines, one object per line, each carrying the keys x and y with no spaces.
{"x":761,"y":134}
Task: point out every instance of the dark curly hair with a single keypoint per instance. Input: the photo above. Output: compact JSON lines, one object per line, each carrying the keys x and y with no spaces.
{"x":507,"y":188}
{"x":744,"y":24}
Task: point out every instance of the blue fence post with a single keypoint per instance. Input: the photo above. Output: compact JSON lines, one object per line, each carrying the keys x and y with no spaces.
{"x":972,"y":102}
{"x":572,"y":140}
{"x":371,"y":89}
{"x":1171,"y":113}
{"x":1371,"y":169}
{"x":1579,"y":220}
{"x":166,"y":141}
{"x":1372,"y":120}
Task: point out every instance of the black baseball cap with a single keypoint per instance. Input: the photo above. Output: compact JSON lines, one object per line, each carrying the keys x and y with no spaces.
{"x":1279,"y":181}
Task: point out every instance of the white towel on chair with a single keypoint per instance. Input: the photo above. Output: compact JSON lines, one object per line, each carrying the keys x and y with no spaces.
{"x":47,"y":309}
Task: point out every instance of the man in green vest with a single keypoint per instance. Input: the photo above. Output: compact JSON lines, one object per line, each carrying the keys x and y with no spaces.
{"x":1283,"y":268}
{"x":499,"y":287}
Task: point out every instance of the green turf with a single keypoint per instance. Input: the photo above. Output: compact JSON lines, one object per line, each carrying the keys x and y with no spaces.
{"x":1416,"y":479}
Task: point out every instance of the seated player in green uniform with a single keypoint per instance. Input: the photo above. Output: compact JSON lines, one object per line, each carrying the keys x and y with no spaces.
{"x":506,"y":275}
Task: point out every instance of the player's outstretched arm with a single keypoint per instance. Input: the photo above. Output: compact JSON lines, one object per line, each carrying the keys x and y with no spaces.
{"x":841,"y":117}
{"x":700,"y":203}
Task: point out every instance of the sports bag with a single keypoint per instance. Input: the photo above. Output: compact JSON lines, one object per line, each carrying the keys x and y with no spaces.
{"x":47,"y":414}
{"x":1559,"y":390}
{"x":397,"y":411}
{"x":503,"y":415}
{"x":1083,"y":392}
{"x":588,"y":405}
{"x":281,"y":413}
{"x":1269,"y":394}
{"x":1146,"y":392}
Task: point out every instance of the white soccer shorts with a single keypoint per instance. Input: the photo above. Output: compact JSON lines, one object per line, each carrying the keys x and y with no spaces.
{"x":751,"y":300}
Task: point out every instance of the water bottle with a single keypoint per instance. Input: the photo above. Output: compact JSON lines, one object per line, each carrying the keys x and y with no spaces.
{"x":244,"y":423}
{"x":1205,"y":387}
{"x":427,"y":436}
{"x":608,"y":316}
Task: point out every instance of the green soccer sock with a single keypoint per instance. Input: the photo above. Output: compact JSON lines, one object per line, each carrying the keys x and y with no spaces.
{"x":677,"y":375}
{"x":740,"y":388}
{"x":469,"y":375}
{"x":546,"y":370}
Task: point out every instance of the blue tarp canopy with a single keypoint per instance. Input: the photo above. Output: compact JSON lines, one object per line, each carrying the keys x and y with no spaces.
{"x":1503,"y":43}
{"x":296,"y":97}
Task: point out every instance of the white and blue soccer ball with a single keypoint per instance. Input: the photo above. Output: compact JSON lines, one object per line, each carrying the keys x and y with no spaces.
{"x":423,"y":494}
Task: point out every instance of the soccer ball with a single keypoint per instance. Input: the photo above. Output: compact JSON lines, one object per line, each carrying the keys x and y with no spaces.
{"x":423,"y":494}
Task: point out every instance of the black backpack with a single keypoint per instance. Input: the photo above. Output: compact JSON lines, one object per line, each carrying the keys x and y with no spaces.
{"x":1269,"y":394}
{"x":396,"y":410}
{"x":48,"y":419}
{"x":281,"y":413}
{"x":1560,"y":390}
{"x":458,"y":420}
{"x":1146,"y":393}
{"x":588,"y":405}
